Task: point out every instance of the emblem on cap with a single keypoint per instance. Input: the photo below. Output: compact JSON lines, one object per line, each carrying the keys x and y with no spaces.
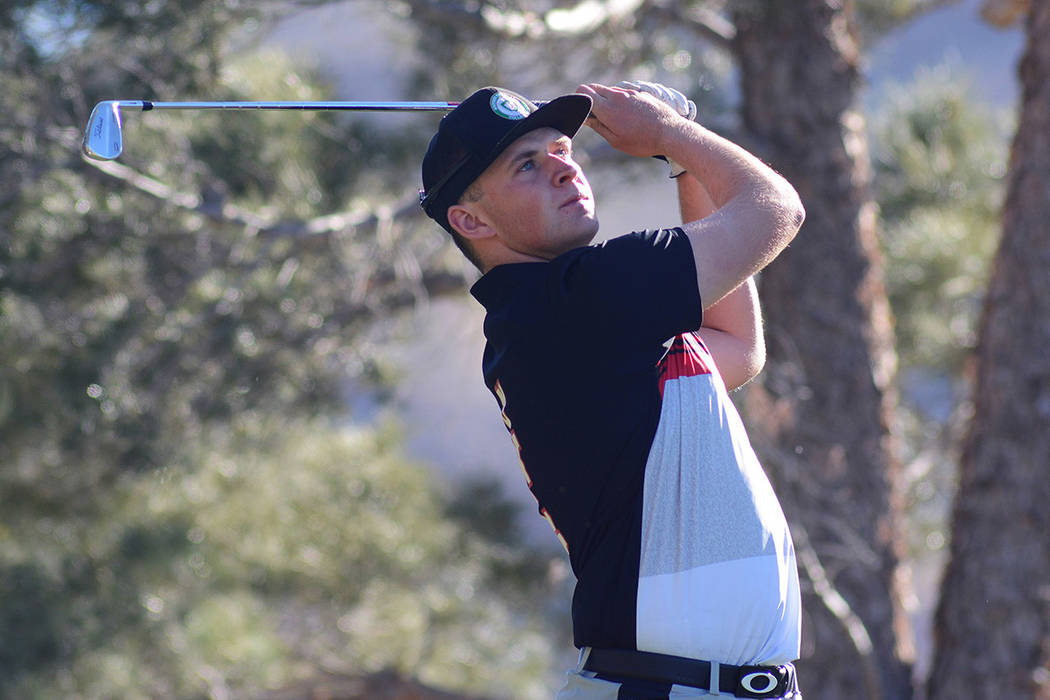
{"x":509,"y":106}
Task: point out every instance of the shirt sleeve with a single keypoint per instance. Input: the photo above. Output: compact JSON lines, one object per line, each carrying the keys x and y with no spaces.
{"x":643,"y":282}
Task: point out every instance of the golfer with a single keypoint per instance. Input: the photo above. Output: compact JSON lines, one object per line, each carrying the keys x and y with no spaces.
{"x":611,"y":365}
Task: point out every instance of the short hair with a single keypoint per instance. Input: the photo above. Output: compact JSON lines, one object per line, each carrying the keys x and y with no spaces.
{"x":473,"y":193}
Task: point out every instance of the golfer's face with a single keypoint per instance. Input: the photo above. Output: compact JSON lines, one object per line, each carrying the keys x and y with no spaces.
{"x":537,"y":196}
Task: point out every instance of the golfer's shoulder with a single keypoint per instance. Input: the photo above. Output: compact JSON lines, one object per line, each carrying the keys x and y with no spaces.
{"x":638,"y":241}
{"x":645,"y":250}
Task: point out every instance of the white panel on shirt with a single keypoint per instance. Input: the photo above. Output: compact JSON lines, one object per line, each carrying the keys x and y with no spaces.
{"x":718,"y":578}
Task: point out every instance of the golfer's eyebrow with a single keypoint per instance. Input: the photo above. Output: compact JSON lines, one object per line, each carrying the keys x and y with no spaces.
{"x":531,"y":150}
{"x":526,"y":152}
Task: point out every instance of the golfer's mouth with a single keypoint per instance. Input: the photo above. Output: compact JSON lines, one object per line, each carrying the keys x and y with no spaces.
{"x":579,"y":198}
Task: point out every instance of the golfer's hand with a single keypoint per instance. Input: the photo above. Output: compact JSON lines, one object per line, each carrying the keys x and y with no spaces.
{"x":677,"y":101}
{"x":631,"y":121}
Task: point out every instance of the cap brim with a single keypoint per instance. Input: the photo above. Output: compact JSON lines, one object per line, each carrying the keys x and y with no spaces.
{"x":566,"y":114}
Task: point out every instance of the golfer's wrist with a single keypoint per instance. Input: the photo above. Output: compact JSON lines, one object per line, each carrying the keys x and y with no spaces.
{"x":677,"y":138}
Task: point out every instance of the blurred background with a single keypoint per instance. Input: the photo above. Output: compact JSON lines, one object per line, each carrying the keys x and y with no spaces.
{"x":245,"y":448}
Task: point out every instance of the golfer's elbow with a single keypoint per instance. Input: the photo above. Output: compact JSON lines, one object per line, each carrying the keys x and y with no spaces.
{"x":790,"y":213}
{"x":778,"y":214}
{"x":755,"y":358}
{"x":798,"y":212}
{"x":749,"y":365}
{"x":758,"y":359}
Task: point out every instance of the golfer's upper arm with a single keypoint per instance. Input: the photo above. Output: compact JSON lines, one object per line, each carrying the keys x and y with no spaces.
{"x":757,"y":212}
{"x":742,"y":237}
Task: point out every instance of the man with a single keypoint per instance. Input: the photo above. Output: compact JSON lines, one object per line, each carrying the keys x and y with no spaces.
{"x":611,"y":365}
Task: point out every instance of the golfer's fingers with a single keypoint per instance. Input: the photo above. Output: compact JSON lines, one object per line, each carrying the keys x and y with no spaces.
{"x":603,"y":99}
{"x":597,"y":125}
{"x":599,"y":100}
{"x":599,"y":92}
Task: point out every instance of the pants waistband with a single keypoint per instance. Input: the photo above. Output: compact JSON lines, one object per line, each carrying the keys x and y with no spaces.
{"x":741,"y":681}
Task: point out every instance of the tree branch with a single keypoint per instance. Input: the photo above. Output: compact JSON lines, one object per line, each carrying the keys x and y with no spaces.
{"x":583,"y":18}
{"x":703,"y":21}
{"x":424,"y":283}
{"x":839,"y":608}
{"x":257,"y":224}
{"x":217,"y":211}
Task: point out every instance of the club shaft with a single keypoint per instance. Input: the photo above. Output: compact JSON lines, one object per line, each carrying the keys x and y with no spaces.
{"x":147,"y":105}
{"x":103,"y":139}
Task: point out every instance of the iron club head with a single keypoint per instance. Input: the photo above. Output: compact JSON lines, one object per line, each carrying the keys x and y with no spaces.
{"x":103,"y":139}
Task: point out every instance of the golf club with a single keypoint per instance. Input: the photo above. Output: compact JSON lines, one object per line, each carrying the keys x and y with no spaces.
{"x":104,"y":140}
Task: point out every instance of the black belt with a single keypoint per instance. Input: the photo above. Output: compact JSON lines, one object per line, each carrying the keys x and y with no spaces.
{"x":741,"y":681}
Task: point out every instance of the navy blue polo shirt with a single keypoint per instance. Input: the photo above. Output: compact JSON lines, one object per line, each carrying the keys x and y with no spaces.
{"x":635,"y":454}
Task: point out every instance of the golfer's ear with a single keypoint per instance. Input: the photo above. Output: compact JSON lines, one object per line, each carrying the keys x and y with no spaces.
{"x":467,"y":222}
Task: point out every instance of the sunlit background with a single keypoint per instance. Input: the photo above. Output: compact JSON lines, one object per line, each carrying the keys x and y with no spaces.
{"x":245,"y":449}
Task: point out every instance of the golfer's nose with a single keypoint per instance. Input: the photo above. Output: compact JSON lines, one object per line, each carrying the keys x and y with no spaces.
{"x":565,"y":170}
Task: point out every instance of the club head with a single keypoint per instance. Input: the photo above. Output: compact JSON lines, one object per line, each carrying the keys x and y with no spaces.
{"x":103,"y":139}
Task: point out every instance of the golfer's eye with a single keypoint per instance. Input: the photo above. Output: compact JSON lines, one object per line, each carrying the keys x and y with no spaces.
{"x":526,"y":166}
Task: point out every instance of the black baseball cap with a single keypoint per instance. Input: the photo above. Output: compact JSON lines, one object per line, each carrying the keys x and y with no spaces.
{"x":476,"y":132}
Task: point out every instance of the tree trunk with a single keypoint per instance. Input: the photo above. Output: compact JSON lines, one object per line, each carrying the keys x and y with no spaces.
{"x":993,"y":623}
{"x":820,"y":413}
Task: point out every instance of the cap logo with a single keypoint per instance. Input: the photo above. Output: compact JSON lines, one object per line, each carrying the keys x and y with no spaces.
{"x":509,"y":106}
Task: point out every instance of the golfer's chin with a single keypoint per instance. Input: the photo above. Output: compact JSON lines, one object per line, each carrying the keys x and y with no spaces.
{"x":560,"y":237}
{"x":581,"y":235}
{"x":590,"y":229}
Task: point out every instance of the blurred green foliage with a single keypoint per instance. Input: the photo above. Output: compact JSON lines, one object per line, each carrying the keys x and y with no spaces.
{"x":876,"y":18}
{"x":187,"y":509}
{"x":940,"y":159}
{"x":186,"y":512}
{"x":133,"y":321}
{"x":289,"y":547}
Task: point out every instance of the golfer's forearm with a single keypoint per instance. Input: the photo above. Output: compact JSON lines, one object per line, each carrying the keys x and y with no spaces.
{"x":757,"y":212}
{"x":727,"y":172}
{"x":694,"y":201}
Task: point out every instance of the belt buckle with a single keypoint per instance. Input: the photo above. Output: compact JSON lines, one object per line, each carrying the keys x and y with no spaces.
{"x":761,"y":681}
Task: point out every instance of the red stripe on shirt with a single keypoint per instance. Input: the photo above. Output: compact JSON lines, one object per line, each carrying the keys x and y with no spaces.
{"x":687,"y":357}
